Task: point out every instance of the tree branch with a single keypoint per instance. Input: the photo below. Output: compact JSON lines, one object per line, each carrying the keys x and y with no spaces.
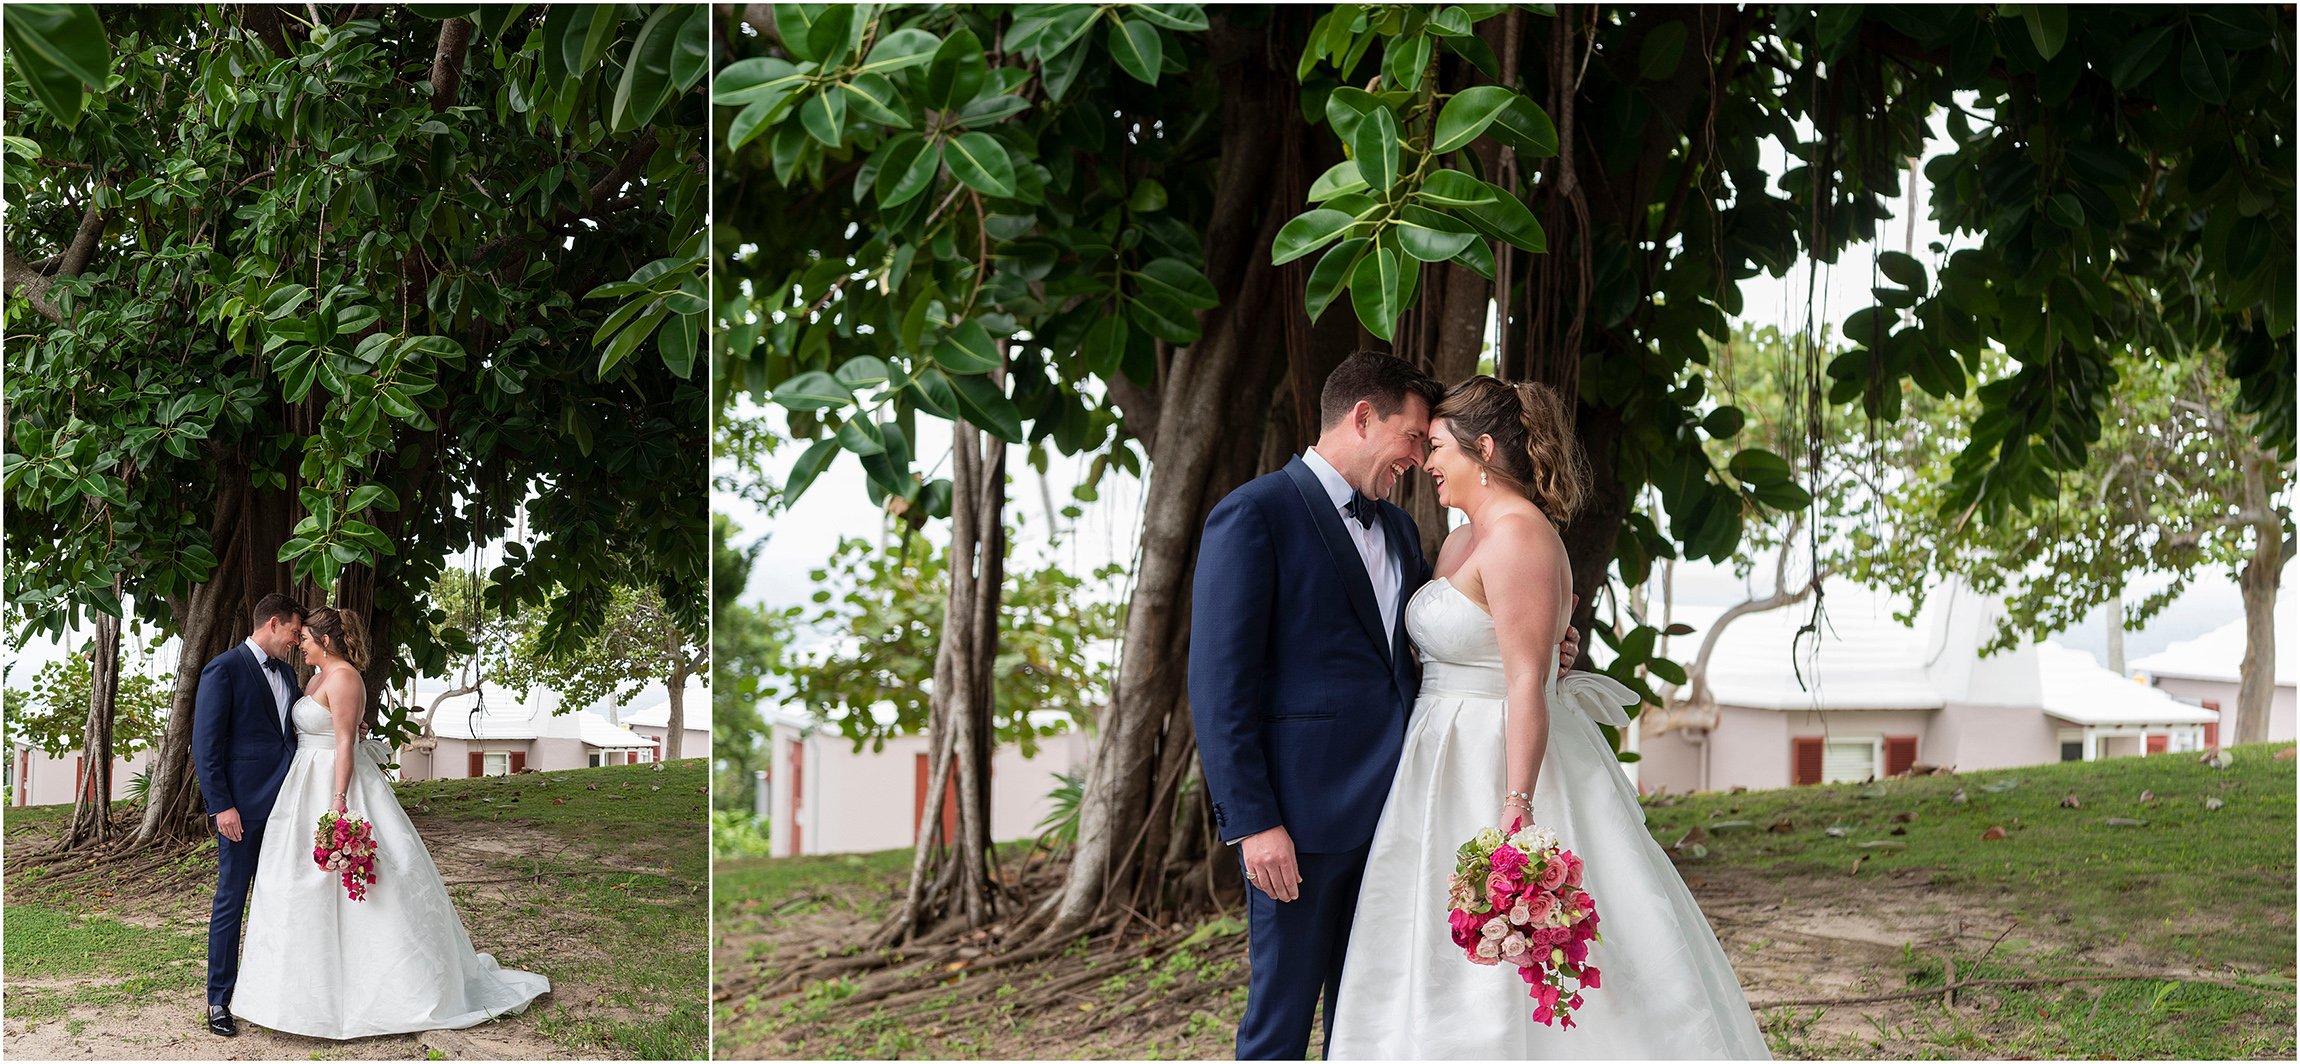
{"x":447,"y":62}
{"x":75,"y":258}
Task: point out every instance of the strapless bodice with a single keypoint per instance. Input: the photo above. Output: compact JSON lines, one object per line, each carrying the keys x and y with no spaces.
{"x":1460,"y":654}
{"x":314,"y":725}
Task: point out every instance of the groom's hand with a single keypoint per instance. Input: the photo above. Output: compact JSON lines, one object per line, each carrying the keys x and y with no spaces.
{"x":1568,"y":650}
{"x":1270,"y":866}
{"x":228,"y":824}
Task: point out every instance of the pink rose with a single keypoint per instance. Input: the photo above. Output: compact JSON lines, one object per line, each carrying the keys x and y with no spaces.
{"x":1488,"y":952}
{"x":1508,"y":860}
{"x":1513,"y":945}
{"x":1552,"y":875}
{"x":1573,"y":868}
{"x":1520,"y":915}
{"x":1494,"y":929}
{"x":1538,"y":908}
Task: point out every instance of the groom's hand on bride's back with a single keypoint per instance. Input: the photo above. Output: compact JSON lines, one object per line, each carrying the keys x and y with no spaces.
{"x":1270,"y":865}
{"x":1568,"y":651}
{"x":228,"y":824}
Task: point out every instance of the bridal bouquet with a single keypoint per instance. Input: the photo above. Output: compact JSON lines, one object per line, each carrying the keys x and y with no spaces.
{"x":1518,"y":899}
{"x":346,"y":845}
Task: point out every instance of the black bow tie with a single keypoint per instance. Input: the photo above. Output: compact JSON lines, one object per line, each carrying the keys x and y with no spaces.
{"x":1361,"y":508}
{"x":281,"y":667}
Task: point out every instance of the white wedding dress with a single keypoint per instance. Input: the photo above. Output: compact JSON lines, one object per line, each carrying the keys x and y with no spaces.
{"x":1667,"y":991}
{"x":317,"y":963}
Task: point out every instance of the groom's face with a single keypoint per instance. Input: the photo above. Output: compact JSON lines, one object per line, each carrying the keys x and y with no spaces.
{"x":1394,"y":444}
{"x":282,"y":635}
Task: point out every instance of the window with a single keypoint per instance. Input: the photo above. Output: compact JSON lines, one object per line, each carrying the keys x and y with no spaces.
{"x":598,"y":758}
{"x":2072,"y":751}
{"x":2212,"y":731}
{"x":1900,"y":754}
{"x":496,"y":765}
{"x":1804,"y":761}
{"x":1849,"y":761}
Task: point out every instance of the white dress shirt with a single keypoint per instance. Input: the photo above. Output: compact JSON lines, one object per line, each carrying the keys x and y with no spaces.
{"x":280,"y":688}
{"x":1373,"y":544}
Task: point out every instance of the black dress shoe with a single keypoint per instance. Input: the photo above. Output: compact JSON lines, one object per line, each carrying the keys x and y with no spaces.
{"x":220,"y":1021}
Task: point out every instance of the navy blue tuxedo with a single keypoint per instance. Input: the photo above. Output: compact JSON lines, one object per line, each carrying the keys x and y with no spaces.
{"x":1299,"y":694}
{"x":241,"y":750}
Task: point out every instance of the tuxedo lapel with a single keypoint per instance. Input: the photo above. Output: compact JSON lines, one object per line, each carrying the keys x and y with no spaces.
{"x":264,"y":684}
{"x":1405,"y":541}
{"x":1327,"y":519}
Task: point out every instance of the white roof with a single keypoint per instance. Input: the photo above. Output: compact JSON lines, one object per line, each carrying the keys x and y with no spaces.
{"x":654,"y":708}
{"x":508,"y":719}
{"x":1861,"y":658}
{"x":2077,"y":689}
{"x":2219,"y":654}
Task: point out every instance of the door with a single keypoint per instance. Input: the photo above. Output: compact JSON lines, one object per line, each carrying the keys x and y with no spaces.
{"x":2158,"y":743}
{"x":1804,"y":761}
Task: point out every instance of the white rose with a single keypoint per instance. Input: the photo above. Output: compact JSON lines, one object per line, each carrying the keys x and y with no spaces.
{"x":1513,"y":945}
{"x":1489,"y":949}
{"x":1495,"y":929}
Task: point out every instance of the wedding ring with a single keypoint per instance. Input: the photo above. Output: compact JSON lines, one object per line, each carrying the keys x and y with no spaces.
{"x":1251,"y":875}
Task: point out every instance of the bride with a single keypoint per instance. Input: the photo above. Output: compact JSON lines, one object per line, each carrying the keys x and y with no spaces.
{"x":1496,"y":735}
{"x":316,"y":963}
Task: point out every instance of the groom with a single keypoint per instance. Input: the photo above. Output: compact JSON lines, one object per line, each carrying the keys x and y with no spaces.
{"x":242,"y":743}
{"x":1301,"y":679}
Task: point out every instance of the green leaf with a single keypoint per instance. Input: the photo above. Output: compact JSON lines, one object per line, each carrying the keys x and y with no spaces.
{"x":1452,"y":188}
{"x":2204,"y":69}
{"x":1346,"y":110}
{"x":1663,"y":49}
{"x":1468,"y":113}
{"x":831,"y":35}
{"x":860,"y":436}
{"x":1137,"y":49}
{"x":750,"y":81}
{"x":981,"y":163}
{"x":1332,"y":271}
{"x":59,"y":48}
{"x":1375,"y":148}
{"x":1432,"y":244}
{"x":862,"y":371}
{"x":823,"y":115}
{"x":814,"y":390}
{"x":906,"y":166}
{"x":988,"y":110}
{"x":1372,"y":285}
{"x":691,"y":58}
{"x":901,"y":50}
{"x":1340,"y":179}
{"x":1104,"y":347}
{"x":967,"y":350}
{"x":2138,"y":57}
{"x":957,"y":71}
{"x":874,"y":98}
{"x":1668,"y":671}
{"x":1181,"y":282}
{"x":647,"y":77}
{"x":1308,"y":232}
{"x":988,"y":408}
{"x":1524,"y":126}
{"x":1148,"y":196}
{"x":375,"y":495}
{"x":1509,"y":220}
{"x":2047,"y":27}
{"x":1903,"y":270}
{"x":676,"y":342}
{"x":1756,"y":465}
{"x":1724,"y":422}
{"x":1181,"y":18}
{"x":809,"y":466}
{"x":1406,"y":58}
{"x":1163,"y":317}
{"x":747,"y":124}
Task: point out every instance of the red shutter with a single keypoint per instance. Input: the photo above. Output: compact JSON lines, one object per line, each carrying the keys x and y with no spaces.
{"x":518,"y":762}
{"x":1900,"y":753}
{"x":2212,"y":730}
{"x":918,"y":797}
{"x":630,"y":757}
{"x":79,"y":775}
{"x":1804,"y":761}
{"x":918,"y":803}
{"x":478,"y":764}
{"x":798,"y":769}
{"x":2157,"y":744}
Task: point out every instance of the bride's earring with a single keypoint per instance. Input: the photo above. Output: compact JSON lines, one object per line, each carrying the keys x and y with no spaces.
{"x":1481,"y":478}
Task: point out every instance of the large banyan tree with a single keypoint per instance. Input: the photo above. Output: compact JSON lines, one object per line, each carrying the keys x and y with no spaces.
{"x":322,"y":306}
{"x":1146,"y":232}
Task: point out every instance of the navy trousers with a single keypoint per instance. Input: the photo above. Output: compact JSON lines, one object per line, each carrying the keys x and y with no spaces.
{"x":1294,"y":955}
{"x":235,"y":873}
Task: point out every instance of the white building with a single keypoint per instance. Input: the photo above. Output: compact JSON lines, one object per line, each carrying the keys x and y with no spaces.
{"x":1867,"y":697}
{"x":652,"y":719}
{"x":495,"y":735}
{"x":2207,"y":671}
{"x":827,"y":797}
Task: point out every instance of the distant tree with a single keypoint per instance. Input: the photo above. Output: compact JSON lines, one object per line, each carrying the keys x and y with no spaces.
{"x":639,"y":644}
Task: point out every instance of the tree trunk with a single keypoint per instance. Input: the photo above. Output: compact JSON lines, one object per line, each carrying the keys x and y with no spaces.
{"x":210,"y":618}
{"x":92,"y":807}
{"x":1214,"y":396}
{"x":961,"y":710}
{"x":672,"y":745}
{"x":2258,"y":580}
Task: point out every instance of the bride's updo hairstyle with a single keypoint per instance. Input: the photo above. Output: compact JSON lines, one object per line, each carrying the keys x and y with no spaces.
{"x":1533,"y":451}
{"x":341,"y":632}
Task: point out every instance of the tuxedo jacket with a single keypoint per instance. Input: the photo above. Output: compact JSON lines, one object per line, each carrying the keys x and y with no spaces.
{"x":1298,"y":692}
{"x":239,"y":745}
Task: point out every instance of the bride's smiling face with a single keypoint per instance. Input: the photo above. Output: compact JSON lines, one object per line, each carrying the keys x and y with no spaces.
{"x":1448,"y":466}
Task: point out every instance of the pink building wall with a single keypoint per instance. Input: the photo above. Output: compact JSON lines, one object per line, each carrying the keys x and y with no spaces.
{"x":849,"y":802}
{"x":2223,"y":693}
{"x":43,"y":780}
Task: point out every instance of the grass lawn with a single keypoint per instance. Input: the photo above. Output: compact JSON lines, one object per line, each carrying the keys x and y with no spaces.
{"x":1852,"y":891}
{"x":596,"y":878}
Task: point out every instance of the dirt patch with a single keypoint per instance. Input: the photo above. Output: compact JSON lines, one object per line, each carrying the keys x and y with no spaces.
{"x":178,"y":1031}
